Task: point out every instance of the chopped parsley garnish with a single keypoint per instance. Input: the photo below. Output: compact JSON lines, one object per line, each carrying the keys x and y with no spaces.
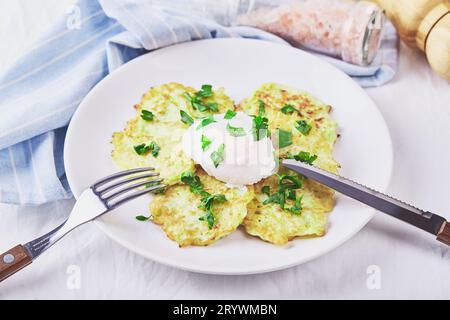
{"x":205,"y":142}
{"x":218,"y":156}
{"x":198,"y":104}
{"x":143,"y":148}
{"x":229,"y":114}
{"x":213,"y":106}
{"x":197,"y":99}
{"x":303,"y":156}
{"x":208,"y":217}
{"x":207,"y":200}
{"x":288,"y":109}
{"x":284,"y":138}
{"x":293,"y":182}
{"x":206,"y":204}
{"x":147,"y":115}
{"x":260,"y":127}
{"x":193,"y":181}
{"x":262,"y":108}
{"x":142,"y":218}
{"x":154,"y":148}
{"x":266,"y":190}
{"x":275,"y":198}
{"x":291,"y":194}
{"x":297,"y":207}
{"x":186,"y":118}
{"x":205,"y":92}
{"x":287,"y":185}
{"x":235,"y":131}
{"x":206,"y":121}
{"x":303,"y":127}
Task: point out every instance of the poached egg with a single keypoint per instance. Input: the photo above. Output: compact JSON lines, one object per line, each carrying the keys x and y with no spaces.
{"x":227,"y":150}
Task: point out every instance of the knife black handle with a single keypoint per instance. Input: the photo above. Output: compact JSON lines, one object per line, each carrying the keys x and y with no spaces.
{"x":444,"y":233}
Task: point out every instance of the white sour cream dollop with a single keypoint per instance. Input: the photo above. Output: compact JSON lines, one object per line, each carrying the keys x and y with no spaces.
{"x":245,"y":161}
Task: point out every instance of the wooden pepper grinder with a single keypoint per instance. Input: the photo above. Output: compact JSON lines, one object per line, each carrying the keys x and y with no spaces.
{"x":424,"y":24}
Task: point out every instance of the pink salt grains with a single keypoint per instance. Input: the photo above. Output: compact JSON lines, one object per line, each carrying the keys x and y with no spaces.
{"x":337,"y":28}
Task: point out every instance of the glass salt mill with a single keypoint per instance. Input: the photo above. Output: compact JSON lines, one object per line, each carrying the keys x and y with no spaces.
{"x":346,"y":29}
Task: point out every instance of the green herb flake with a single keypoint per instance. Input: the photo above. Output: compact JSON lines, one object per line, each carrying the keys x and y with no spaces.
{"x":197,"y":101}
{"x":278,"y":197}
{"x":260,"y":128}
{"x":206,"y":142}
{"x":198,"y":104}
{"x":206,"y":121}
{"x":293,"y":182}
{"x":142,"y":218}
{"x":288,"y":109}
{"x":303,"y":156}
{"x":147,"y":115}
{"x":208,"y":199}
{"x":218,"y":156}
{"x":188,"y":96}
{"x":303,"y":127}
{"x":235,"y":131}
{"x":205,"y":92}
{"x":186,"y":118}
{"x":209,"y":218}
{"x":291,"y":194}
{"x":213,"y":106}
{"x":193,"y":181}
{"x":206,"y":204}
{"x":142,"y":149}
{"x":287,"y":184}
{"x":284,"y":138}
{"x":297,"y":207}
{"x":275,"y":198}
{"x":261,"y":108}
{"x":229,"y":114}
{"x":154,"y":148}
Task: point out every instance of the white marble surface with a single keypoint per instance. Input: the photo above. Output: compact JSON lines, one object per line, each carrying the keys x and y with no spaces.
{"x":416,"y":106}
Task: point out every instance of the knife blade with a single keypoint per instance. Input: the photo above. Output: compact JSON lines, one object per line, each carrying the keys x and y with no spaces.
{"x":430,"y":222}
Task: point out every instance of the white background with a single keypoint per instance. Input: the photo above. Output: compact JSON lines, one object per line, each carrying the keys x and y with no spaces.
{"x":416,"y":106}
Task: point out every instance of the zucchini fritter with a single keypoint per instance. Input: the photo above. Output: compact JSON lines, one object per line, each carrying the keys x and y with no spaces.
{"x":178,"y":212}
{"x":269,"y":221}
{"x":165,"y":129}
{"x":278,"y":226}
{"x":322,"y":135}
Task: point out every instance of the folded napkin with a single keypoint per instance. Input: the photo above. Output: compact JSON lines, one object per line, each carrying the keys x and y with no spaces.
{"x":40,"y":93}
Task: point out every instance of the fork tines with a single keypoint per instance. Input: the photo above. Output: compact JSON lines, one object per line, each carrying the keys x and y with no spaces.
{"x":140,"y":179}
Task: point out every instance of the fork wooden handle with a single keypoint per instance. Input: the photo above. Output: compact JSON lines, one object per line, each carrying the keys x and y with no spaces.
{"x":13,"y":260}
{"x":444,"y":234}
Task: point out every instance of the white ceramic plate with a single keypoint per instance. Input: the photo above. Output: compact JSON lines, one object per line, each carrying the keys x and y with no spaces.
{"x":240,"y":66}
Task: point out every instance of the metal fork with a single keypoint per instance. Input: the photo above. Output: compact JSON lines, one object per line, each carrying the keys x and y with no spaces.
{"x":94,"y":202}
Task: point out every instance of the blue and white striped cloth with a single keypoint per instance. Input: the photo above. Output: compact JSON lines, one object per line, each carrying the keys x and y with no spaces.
{"x":40,"y":93}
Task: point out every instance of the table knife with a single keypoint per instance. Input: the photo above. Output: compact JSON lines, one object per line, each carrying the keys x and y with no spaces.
{"x":424,"y":220}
